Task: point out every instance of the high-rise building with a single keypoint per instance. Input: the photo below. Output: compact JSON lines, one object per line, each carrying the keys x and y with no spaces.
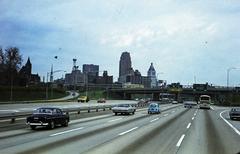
{"x":125,"y":67}
{"x":91,"y":71}
{"x":76,"y":77}
{"x":152,"y":75}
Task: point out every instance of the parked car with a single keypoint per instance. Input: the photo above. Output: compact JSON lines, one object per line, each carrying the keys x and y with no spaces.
{"x":154,"y":108}
{"x":234,"y":113}
{"x":101,"y":100}
{"x":124,"y":108}
{"x":83,"y":99}
{"x":47,"y":116}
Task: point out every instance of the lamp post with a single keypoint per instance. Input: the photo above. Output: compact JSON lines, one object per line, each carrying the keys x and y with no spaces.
{"x":51,"y":74}
{"x":228,"y":73}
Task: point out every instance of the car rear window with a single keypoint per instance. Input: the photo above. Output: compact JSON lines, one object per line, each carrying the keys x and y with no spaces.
{"x":43,"y":111}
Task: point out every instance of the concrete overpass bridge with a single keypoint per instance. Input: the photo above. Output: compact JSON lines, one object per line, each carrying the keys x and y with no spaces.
{"x":217,"y":93}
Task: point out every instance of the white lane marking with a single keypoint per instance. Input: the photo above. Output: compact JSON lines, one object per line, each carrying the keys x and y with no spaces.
{"x":180,"y":140}
{"x":114,"y":120}
{"x":173,"y":111}
{"x":235,"y":129}
{"x":212,"y":108}
{"x":188,"y":126}
{"x":195,"y":114}
{"x":154,"y":120}
{"x":192,"y":118}
{"x":123,"y":133}
{"x":68,"y":131}
{"x":165,"y":115}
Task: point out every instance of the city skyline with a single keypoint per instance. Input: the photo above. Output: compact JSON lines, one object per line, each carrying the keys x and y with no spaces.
{"x":201,"y":48}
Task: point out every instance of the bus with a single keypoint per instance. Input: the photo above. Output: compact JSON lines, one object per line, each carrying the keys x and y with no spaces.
{"x":204,"y":102}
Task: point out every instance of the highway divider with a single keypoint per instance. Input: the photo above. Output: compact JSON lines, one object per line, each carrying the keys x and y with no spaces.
{"x":17,"y":114}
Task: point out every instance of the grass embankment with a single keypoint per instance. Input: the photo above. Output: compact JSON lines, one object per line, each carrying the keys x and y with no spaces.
{"x":29,"y":93}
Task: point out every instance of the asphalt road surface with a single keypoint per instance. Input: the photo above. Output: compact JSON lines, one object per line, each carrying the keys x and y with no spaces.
{"x":175,"y":130}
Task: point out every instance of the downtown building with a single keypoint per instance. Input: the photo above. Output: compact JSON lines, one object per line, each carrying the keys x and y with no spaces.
{"x":128,"y":77}
{"x":125,"y":67}
{"x":151,"y":74}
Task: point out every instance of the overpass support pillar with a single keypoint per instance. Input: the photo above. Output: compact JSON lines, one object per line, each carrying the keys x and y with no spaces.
{"x":127,"y":96}
{"x":156,"y":96}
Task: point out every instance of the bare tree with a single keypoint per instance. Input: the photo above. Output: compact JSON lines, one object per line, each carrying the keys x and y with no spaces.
{"x":13,"y":59}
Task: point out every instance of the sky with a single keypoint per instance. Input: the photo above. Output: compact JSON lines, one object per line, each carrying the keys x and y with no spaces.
{"x":184,"y":39}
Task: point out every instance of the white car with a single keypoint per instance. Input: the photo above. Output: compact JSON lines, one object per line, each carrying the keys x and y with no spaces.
{"x":124,"y":108}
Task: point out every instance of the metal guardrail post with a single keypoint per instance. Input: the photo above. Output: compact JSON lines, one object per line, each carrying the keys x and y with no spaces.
{"x":97,"y":109}
{"x":88,"y":109}
{"x":13,"y":118}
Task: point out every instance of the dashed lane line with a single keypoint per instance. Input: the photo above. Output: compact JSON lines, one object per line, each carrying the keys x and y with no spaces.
{"x":188,"y":126}
{"x":115,"y":120}
{"x":154,"y":120}
{"x":165,"y":115}
{"x":123,"y":133}
{"x":68,"y":131}
{"x":180,"y":140}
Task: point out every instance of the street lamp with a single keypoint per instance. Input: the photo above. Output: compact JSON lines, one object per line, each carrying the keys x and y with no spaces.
{"x":228,"y":72}
{"x":51,"y":74}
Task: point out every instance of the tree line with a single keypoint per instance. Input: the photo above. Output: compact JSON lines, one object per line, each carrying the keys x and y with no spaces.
{"x":10,"y":65}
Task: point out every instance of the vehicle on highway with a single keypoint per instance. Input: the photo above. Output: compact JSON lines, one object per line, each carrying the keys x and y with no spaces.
{"x":204,"y":102}
{"x":234,"y":113}
{"x":83,"y":99}
{"x":174,"y":102}
{"x":124,"y":109}
{"x":154,"y":108}
{"x":189,"y":104}
{"x":101,"y":100}
{"x":47,"y":116}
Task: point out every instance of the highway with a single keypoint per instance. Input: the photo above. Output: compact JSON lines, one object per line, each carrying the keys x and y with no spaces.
{"x":175,"y":130}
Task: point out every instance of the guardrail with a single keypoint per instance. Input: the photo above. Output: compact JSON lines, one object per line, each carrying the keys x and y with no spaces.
{"x":14,"y":115}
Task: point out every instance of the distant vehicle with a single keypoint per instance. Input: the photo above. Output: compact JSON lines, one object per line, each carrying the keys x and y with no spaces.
{"x":154,"y":108}
{"x":174,"y":102}
{"x":73,"y":94}
{"x":47,"y":116}
{"x":166,"y":98}
{"x":124,"y":108}
{"x":204,"y":102}
{"x":234,"y":113}
{"x":101,"y":100}
{"x":83,"y":99}
{"x":189,"y":104}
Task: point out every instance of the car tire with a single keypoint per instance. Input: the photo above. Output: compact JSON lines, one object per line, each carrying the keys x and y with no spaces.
{"x":133,"y":112}
{"x":33,"y":127}
{"x":116,"y":113}
{"x":148,"y":112}
{"x":51,"y":125}
{"x":65,"y":123}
